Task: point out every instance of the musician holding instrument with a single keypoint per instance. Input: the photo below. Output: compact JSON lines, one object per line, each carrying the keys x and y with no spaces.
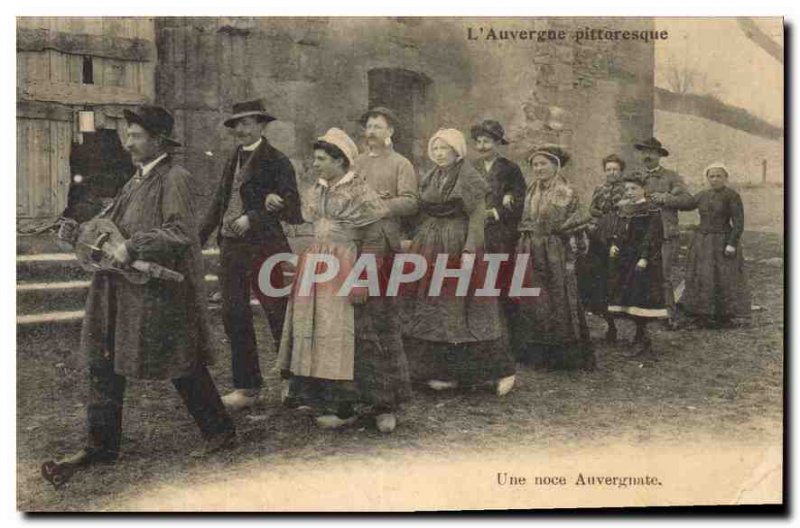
{"x":145,"y":312}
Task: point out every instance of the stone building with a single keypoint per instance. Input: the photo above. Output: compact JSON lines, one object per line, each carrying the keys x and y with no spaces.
{"x":314,"y":73}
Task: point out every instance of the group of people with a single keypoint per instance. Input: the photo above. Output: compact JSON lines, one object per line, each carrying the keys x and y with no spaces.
{"x":345,"y":357}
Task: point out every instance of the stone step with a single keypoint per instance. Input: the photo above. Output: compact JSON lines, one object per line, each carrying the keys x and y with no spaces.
{"x":73,"y":317}
{"x":61,"y":267}
{"x":38,"y":297}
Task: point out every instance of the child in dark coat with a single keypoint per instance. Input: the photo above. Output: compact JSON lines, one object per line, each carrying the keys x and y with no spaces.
{"x":635,"y":282}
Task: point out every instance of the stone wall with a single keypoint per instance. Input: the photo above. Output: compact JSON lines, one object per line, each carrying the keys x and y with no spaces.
{"x":313,"y":73}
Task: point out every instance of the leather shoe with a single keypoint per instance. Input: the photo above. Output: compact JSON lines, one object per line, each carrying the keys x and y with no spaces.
{"x":386,"y":422}
{"x":240,"y":399}
{"x":505,"y":385}
{"x":331,"y":421}
{"x":57,"y":474}
{"x":439,"y":385}
{"x":60,"y":472}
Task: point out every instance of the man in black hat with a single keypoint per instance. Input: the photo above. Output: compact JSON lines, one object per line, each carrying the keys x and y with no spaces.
{"x":257,"y":191}
{"x":666,"y":189}
{"x":506,"y":195}
{"x":505,"y":199}
{"x":156,"y":330}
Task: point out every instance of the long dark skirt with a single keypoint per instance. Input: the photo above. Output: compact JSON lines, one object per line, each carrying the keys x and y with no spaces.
{"x":468,"y":364}
{"x":592,"y":277}
{"x":550,"y":330}
{"x":380,"y":377}
{"x":716,"y":285}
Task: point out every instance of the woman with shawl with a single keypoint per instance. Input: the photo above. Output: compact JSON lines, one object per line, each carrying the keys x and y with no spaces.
{"x":549,"y":330}
{"x":332,"y":350}
{"x":592,"y":268}
{"x":454,"y":341}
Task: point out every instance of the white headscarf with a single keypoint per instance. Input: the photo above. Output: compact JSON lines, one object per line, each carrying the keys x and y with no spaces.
{"x":717,"y":165}
{"x":340,"y":139}
{"x":452,"y":137}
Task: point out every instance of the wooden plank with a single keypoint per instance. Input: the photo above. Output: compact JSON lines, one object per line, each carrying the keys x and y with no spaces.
{"x":33,"y":66}
{"x":146,"y":28}
{"x":68,"y":93}
{"x":43,"y":110}
{"x":33,"y":168}
{"x":130,"y":74}
{"x":93,"y":25}
{"x":146,"y":79}
{"x":61,"y":144}
{"x":23,"y":168}
{"x":75,"y":68}
{"x":98,"y":71}
{"x":34,"y":22}
{"x":81,"y":43}
{"x":40,"y":154}
{"x":28,"y":162}
{"x":59,"y":66}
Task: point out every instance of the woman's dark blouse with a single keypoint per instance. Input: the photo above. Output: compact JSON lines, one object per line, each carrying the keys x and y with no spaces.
{"x":721,"y":211}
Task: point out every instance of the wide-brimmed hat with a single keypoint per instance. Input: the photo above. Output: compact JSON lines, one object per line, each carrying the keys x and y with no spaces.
{"x":248,"y":108}
{"x":555,"y":152}
{"x":387,"y":113}
{"x":339,"y":139}
{"x":155,"y":119}
{"x":491,"y":128}
{"x":652,"y":144}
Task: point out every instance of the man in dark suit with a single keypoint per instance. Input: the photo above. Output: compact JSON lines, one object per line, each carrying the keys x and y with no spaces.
{"x":506,"y":195}
{"x":258,"y":189}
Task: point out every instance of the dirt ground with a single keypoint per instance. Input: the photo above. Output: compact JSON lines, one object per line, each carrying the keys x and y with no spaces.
{"x":710,"y":385}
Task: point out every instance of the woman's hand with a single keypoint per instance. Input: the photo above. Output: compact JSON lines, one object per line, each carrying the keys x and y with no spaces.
{"x":241,"y":225}
{"x":730,"y":251}
{"x":614,"y":251}
{"x":273,"y":203}
{"x":642,"y":264}
{"x":508,"y":201}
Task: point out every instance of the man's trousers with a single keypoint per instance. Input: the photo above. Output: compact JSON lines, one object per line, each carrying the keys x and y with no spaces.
{"x":240,"y":262}
{"x":106,"y":392}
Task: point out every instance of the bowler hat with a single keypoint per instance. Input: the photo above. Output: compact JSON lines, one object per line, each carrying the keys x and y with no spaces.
{"x":155,"y":119}
{"x":390,"y":116}
{"x":491,"y":128}
{"x":652,"y":144}
{"x":248,"y":108}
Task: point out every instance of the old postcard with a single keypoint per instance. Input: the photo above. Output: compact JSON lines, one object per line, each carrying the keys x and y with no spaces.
{"x":399,"y":264}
